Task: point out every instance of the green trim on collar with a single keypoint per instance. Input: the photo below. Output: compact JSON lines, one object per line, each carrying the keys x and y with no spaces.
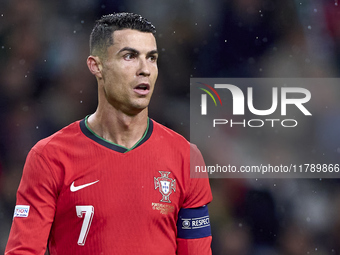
{"x":123,"y":147}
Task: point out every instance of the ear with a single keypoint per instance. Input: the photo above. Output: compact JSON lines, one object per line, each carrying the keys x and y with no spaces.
{"x":95,"y":66}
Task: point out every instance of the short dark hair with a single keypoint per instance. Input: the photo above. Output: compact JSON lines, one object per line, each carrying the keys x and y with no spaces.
{"x":102,"y":34}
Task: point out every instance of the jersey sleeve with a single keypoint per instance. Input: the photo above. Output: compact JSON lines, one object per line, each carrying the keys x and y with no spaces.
{"x":35,"y":207}
{"x":198,"y":246}
{"x":198,"y":191}
{"x":193,"y":226}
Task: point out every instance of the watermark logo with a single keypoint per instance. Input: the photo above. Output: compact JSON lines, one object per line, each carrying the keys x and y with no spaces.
{"x":280,"y":98}
{"x":238,"y":100}
{"x":264,"y":128}
{"x":204,"y":97}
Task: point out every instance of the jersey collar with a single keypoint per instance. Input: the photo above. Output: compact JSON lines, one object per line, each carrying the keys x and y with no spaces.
{"x":116,"y":147}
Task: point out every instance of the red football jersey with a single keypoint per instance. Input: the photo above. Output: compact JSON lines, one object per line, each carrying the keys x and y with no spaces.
{"x":81,"y":194}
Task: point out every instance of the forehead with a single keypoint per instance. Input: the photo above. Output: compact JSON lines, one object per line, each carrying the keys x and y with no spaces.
{"x":134,"y":39}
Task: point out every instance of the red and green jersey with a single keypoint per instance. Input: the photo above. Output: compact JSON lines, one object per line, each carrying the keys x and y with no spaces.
{"x":80,"y":194}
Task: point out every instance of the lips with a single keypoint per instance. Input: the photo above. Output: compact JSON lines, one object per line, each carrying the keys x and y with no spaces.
{"x":142,"y":89}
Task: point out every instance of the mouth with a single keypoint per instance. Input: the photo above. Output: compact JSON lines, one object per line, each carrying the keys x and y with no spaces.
{"x":142,"y":89}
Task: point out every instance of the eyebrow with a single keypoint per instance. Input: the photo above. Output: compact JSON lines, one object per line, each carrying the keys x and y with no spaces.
{"x":136,"y":51}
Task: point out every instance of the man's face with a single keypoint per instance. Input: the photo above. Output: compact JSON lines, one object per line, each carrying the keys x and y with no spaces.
{"x":130,"y":71}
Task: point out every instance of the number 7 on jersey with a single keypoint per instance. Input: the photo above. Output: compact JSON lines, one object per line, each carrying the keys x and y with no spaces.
{"x":87,"y":212}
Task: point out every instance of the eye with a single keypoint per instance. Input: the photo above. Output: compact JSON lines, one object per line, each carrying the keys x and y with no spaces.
{"x":129,"y":56}
{"x":153,"y":58}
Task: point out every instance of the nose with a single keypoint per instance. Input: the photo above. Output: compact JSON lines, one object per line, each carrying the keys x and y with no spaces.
{"x":144,"y":69}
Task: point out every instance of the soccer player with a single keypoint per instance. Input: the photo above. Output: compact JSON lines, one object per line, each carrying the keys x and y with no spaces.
{"x":116,"y":182}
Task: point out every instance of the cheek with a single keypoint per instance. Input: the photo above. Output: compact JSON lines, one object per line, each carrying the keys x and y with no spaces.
{"x":116,"y":75}
{"x":155,"y":72}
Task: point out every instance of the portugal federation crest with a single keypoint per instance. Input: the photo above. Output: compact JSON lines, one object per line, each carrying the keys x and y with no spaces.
{"x":166,"y":185}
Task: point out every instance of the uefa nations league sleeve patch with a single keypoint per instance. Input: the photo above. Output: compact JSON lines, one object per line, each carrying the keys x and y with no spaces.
{"x":193,"y":223}
{"x":21,"y":211}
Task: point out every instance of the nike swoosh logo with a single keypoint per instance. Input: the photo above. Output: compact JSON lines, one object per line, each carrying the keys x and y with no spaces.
{"x":76,"y":188}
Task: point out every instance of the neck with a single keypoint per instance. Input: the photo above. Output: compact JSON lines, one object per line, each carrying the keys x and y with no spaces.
{"x":118,"y":127}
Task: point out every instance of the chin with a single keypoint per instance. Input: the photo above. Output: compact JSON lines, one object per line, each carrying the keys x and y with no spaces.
{"x":141,"y":104}
{"x":136,"y":109}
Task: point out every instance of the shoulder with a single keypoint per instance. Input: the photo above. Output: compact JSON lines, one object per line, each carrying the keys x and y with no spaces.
{"x":61,"y":138}
{"x":168,"y":135}
{"x":160,"y":129}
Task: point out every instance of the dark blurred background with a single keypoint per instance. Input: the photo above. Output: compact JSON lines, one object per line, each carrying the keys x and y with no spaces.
{"x":45,"y":85}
